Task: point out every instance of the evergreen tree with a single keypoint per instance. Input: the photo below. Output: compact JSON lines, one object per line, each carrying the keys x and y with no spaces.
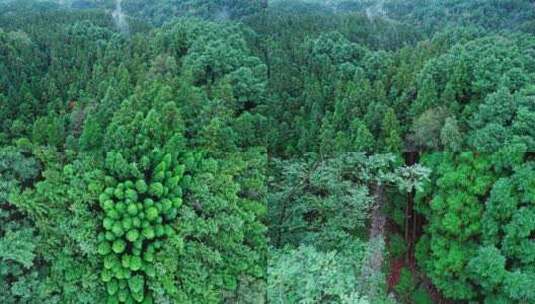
{"x":91,"y":137}
{"x":363,"y":140}
{"x":391,"y":132}
{"x":450,"y":136}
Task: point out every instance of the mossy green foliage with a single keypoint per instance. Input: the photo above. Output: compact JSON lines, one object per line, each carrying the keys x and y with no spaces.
{"x":503,"y":265}
{"x":397,"y":246}
{"x":421,"y":296}
{"x":136,"y":222}
{"x":451,"y":203}
{"x":88,"y":114}
{"x":477,"y":241}
{"x":406,"y":285}
{"x":318,"y":217}
{"x":135,"y":171}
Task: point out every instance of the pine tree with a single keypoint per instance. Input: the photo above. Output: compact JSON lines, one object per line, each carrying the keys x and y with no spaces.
{"x":450,"y":136}
{"x":363,"y":140}
{"x":427,"y":98}
{"x":91,"y":137}
{"x":391,"y":132}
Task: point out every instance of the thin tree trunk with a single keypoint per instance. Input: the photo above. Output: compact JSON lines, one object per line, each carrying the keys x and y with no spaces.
{"x":410,"y":216}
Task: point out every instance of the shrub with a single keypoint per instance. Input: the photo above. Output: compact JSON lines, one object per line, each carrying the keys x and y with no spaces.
{"x":397,"y":246}
{"x":406,"y":285}
{"x":421,"y":296}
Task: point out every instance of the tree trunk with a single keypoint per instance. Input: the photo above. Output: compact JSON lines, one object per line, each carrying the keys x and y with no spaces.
{"x":411,"y":222}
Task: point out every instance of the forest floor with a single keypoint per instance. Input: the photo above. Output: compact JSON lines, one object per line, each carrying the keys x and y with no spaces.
{"x":397,"y":264}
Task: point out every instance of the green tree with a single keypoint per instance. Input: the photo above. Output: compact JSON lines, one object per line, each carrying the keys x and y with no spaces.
{"x":363,"y":139}
{"x":504,"y":265}
{"x":391,"y":132}
{"x":91,"y":137}
{"x":426,"y":128}
{"x":452,"y":205}
{"x":450,"y":136}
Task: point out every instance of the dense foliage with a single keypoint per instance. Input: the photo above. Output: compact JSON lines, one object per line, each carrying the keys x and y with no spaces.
{"x":111,"y":183}
{"x":304,"y":151}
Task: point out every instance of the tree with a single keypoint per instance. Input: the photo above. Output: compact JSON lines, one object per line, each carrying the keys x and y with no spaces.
{"x":498,"y":108}
{"x":135,"y":168}
{"x":328,"y":138}
{"x":391,"y":132}
{"x":450,"y":136}
{"x":295,"y":277}
{"x":363,"y":139}
{"x":502,"y":119}
{"x":451,"y":204}
{"x":427,"y":98}
{"x":91,"y":137}
{"x":507,"y":226}
{"x":426,"y":128}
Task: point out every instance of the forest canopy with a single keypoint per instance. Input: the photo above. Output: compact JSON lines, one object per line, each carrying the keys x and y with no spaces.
{"x":284,"y":151}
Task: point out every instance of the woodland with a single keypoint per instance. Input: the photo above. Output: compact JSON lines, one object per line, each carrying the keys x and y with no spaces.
{"x":254,"y":151}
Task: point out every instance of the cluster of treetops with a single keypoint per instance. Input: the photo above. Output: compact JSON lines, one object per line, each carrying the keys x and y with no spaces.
{"x":138,"y":164}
